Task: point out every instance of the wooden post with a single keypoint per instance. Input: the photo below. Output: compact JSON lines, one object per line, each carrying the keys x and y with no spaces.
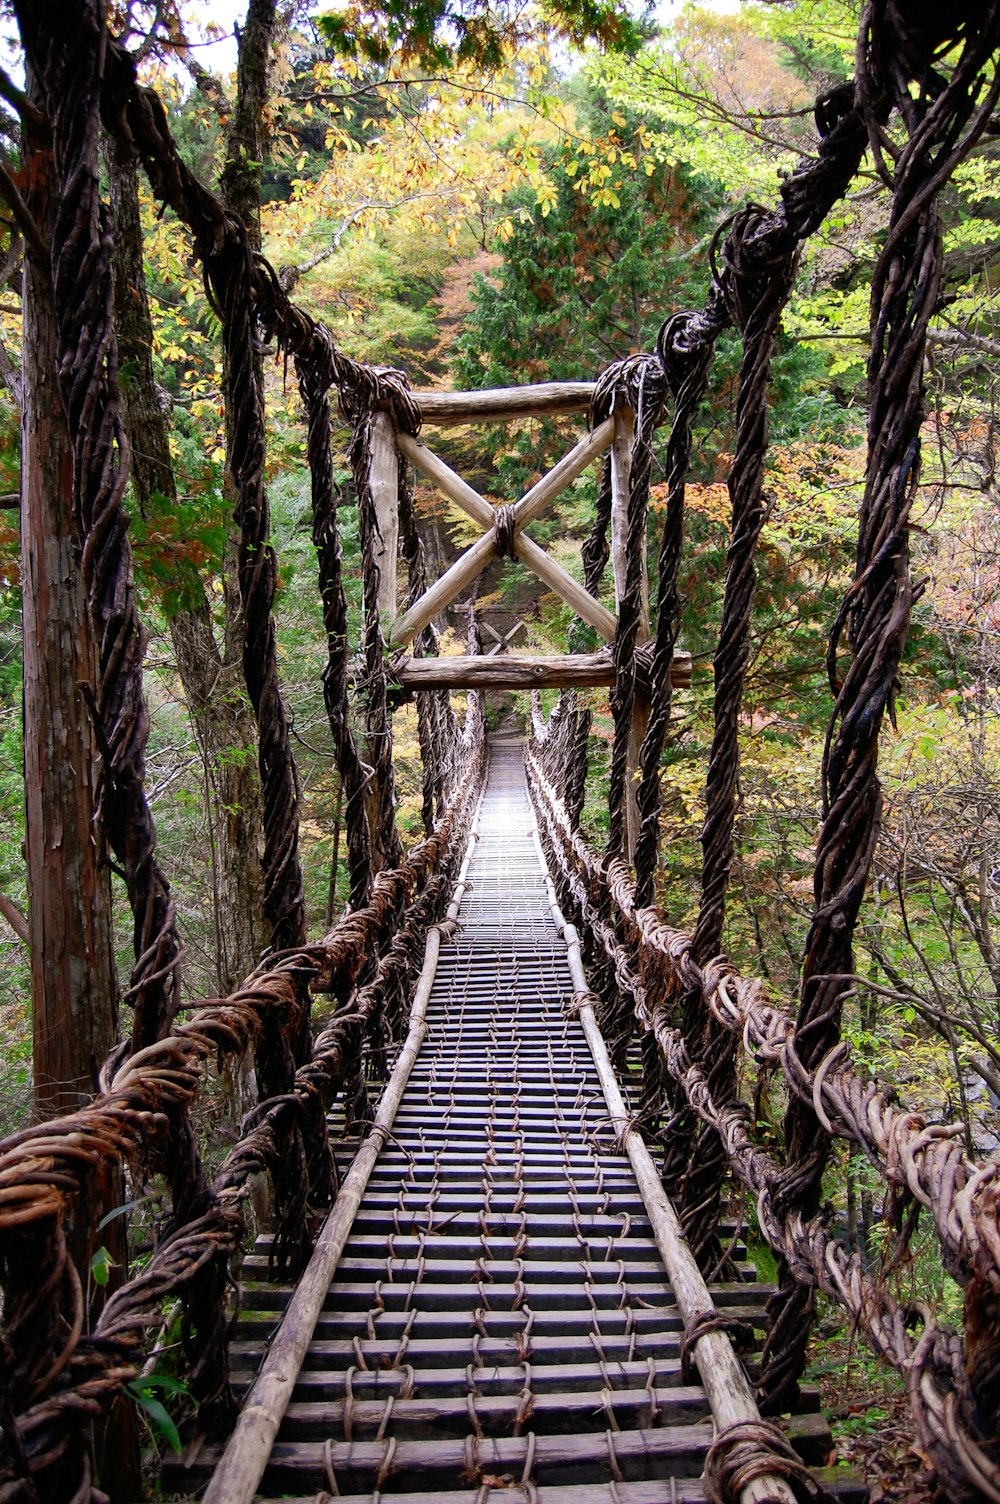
{"x":621,"y":470}
{"x":383,"y":477}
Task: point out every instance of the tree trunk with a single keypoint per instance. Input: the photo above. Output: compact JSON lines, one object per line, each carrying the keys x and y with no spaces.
{"x":222,"y":720}
{"x":73,"y":987}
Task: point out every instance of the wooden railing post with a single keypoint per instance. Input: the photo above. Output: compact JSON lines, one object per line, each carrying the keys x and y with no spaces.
{"x":384,"y":482}
{"x":621,"y":469}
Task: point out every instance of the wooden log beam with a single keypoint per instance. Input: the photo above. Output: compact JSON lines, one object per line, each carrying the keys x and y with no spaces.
{"x":466,"y":568}
{"x":521,"y":671}
{"x":564,"y":585}
{"x":383,"y":477}
{"x":527,"y":550}
{"x":563,"y":474}
{"x":446,"y":479}
{"x":501,"y":404}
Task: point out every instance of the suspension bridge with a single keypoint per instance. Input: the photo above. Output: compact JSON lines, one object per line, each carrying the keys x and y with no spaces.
{"x":499,"y":1103}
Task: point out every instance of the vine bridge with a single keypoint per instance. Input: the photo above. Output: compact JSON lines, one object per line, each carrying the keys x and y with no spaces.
{"x":500,"y":1102}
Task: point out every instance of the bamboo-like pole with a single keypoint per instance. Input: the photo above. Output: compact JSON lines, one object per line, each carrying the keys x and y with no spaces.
{"x":726,"y":1386}
{"x":447,"y":480}
{"x":471,"y":563}
{"x":242,"y":1464}
{"x":466,"y":568}
{"x":564,"y":585}
{"x":383,"y":477}
{"x":563,"y":473}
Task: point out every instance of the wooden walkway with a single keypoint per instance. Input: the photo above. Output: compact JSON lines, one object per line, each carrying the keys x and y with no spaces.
{"x":500,"y":1327}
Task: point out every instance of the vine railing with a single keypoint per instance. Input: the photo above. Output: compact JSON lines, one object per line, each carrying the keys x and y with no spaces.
{"x":64,"y":1357}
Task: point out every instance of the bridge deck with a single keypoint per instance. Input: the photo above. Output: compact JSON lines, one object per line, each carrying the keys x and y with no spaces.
{"x":500,"y":1326}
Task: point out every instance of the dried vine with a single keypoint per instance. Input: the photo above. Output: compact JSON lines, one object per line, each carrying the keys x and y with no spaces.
{"x":315,"y":379}
{"x":61,"y":1378}
{"x":941,"y":128}
{"x":651,"y":960}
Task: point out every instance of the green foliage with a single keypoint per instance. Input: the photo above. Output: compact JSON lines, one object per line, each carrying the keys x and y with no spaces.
{"x":583,"y":283}
{"x":146,"y":1390}
{"x":438,"y":34}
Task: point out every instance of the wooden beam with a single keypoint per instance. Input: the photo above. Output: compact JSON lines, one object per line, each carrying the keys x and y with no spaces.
{"x":501,"y":404}
{"x":727,"y":1389}
{"x":519,"y":671}
{"x":447,"y":480}
{"x":564,"y":585}
{"x":563,"y":474}
{"x":621,"y":471}
{"x":383,"y":477}
{"x":242,"y":1464}
{"x":466,"y":568}
{"x":528,"y":551}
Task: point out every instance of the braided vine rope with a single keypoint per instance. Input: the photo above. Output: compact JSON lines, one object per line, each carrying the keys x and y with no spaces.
{"x":57,"y":1378}
{"x":941,"y":129}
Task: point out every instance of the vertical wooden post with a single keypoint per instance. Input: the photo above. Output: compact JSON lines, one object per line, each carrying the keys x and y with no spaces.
{"x":621,"y":469}
{"x":384,"y":481}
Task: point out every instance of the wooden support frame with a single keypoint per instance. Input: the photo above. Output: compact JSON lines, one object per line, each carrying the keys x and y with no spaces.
{"x":504,"y":404}
{"x":383,"y":478}
{"x":475,"y":559}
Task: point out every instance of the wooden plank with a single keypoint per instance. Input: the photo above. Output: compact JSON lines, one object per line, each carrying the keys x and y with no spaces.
{"x":555,"y":1413}
{"x":841,"y":1483}
{"x":433,"y":1466}
{"x":246,"y":1455}
{"x":466,"y":568}
{"x":729,"y":1393}
{"x":501,"y":404}
{"x":514,"y":671}
{"x":383,"y":477}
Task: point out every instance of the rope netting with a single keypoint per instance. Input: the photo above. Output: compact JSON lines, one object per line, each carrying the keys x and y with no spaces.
{"x":938,"y":85}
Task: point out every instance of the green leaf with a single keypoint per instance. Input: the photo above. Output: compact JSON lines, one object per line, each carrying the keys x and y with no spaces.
{"x":165,"y":1381}
{"x":101,"y":1266}
{"x":119,"y":1211}
{"x":161,"y":1418}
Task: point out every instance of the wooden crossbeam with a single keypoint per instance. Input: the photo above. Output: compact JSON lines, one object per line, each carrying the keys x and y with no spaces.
{"x":475,"y":559}
{"x":517,"y":671}
{"x":501,"y":404}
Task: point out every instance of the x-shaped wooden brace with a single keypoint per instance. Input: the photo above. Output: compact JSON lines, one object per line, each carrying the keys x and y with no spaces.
{"x":501,"y":640}
{"x":474,"y":560}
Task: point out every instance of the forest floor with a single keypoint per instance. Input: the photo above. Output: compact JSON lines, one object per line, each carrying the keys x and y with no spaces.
{"x":872,"y":1423}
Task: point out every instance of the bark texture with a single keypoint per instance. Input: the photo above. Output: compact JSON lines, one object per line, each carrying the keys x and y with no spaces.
{"x":73,"y":989}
